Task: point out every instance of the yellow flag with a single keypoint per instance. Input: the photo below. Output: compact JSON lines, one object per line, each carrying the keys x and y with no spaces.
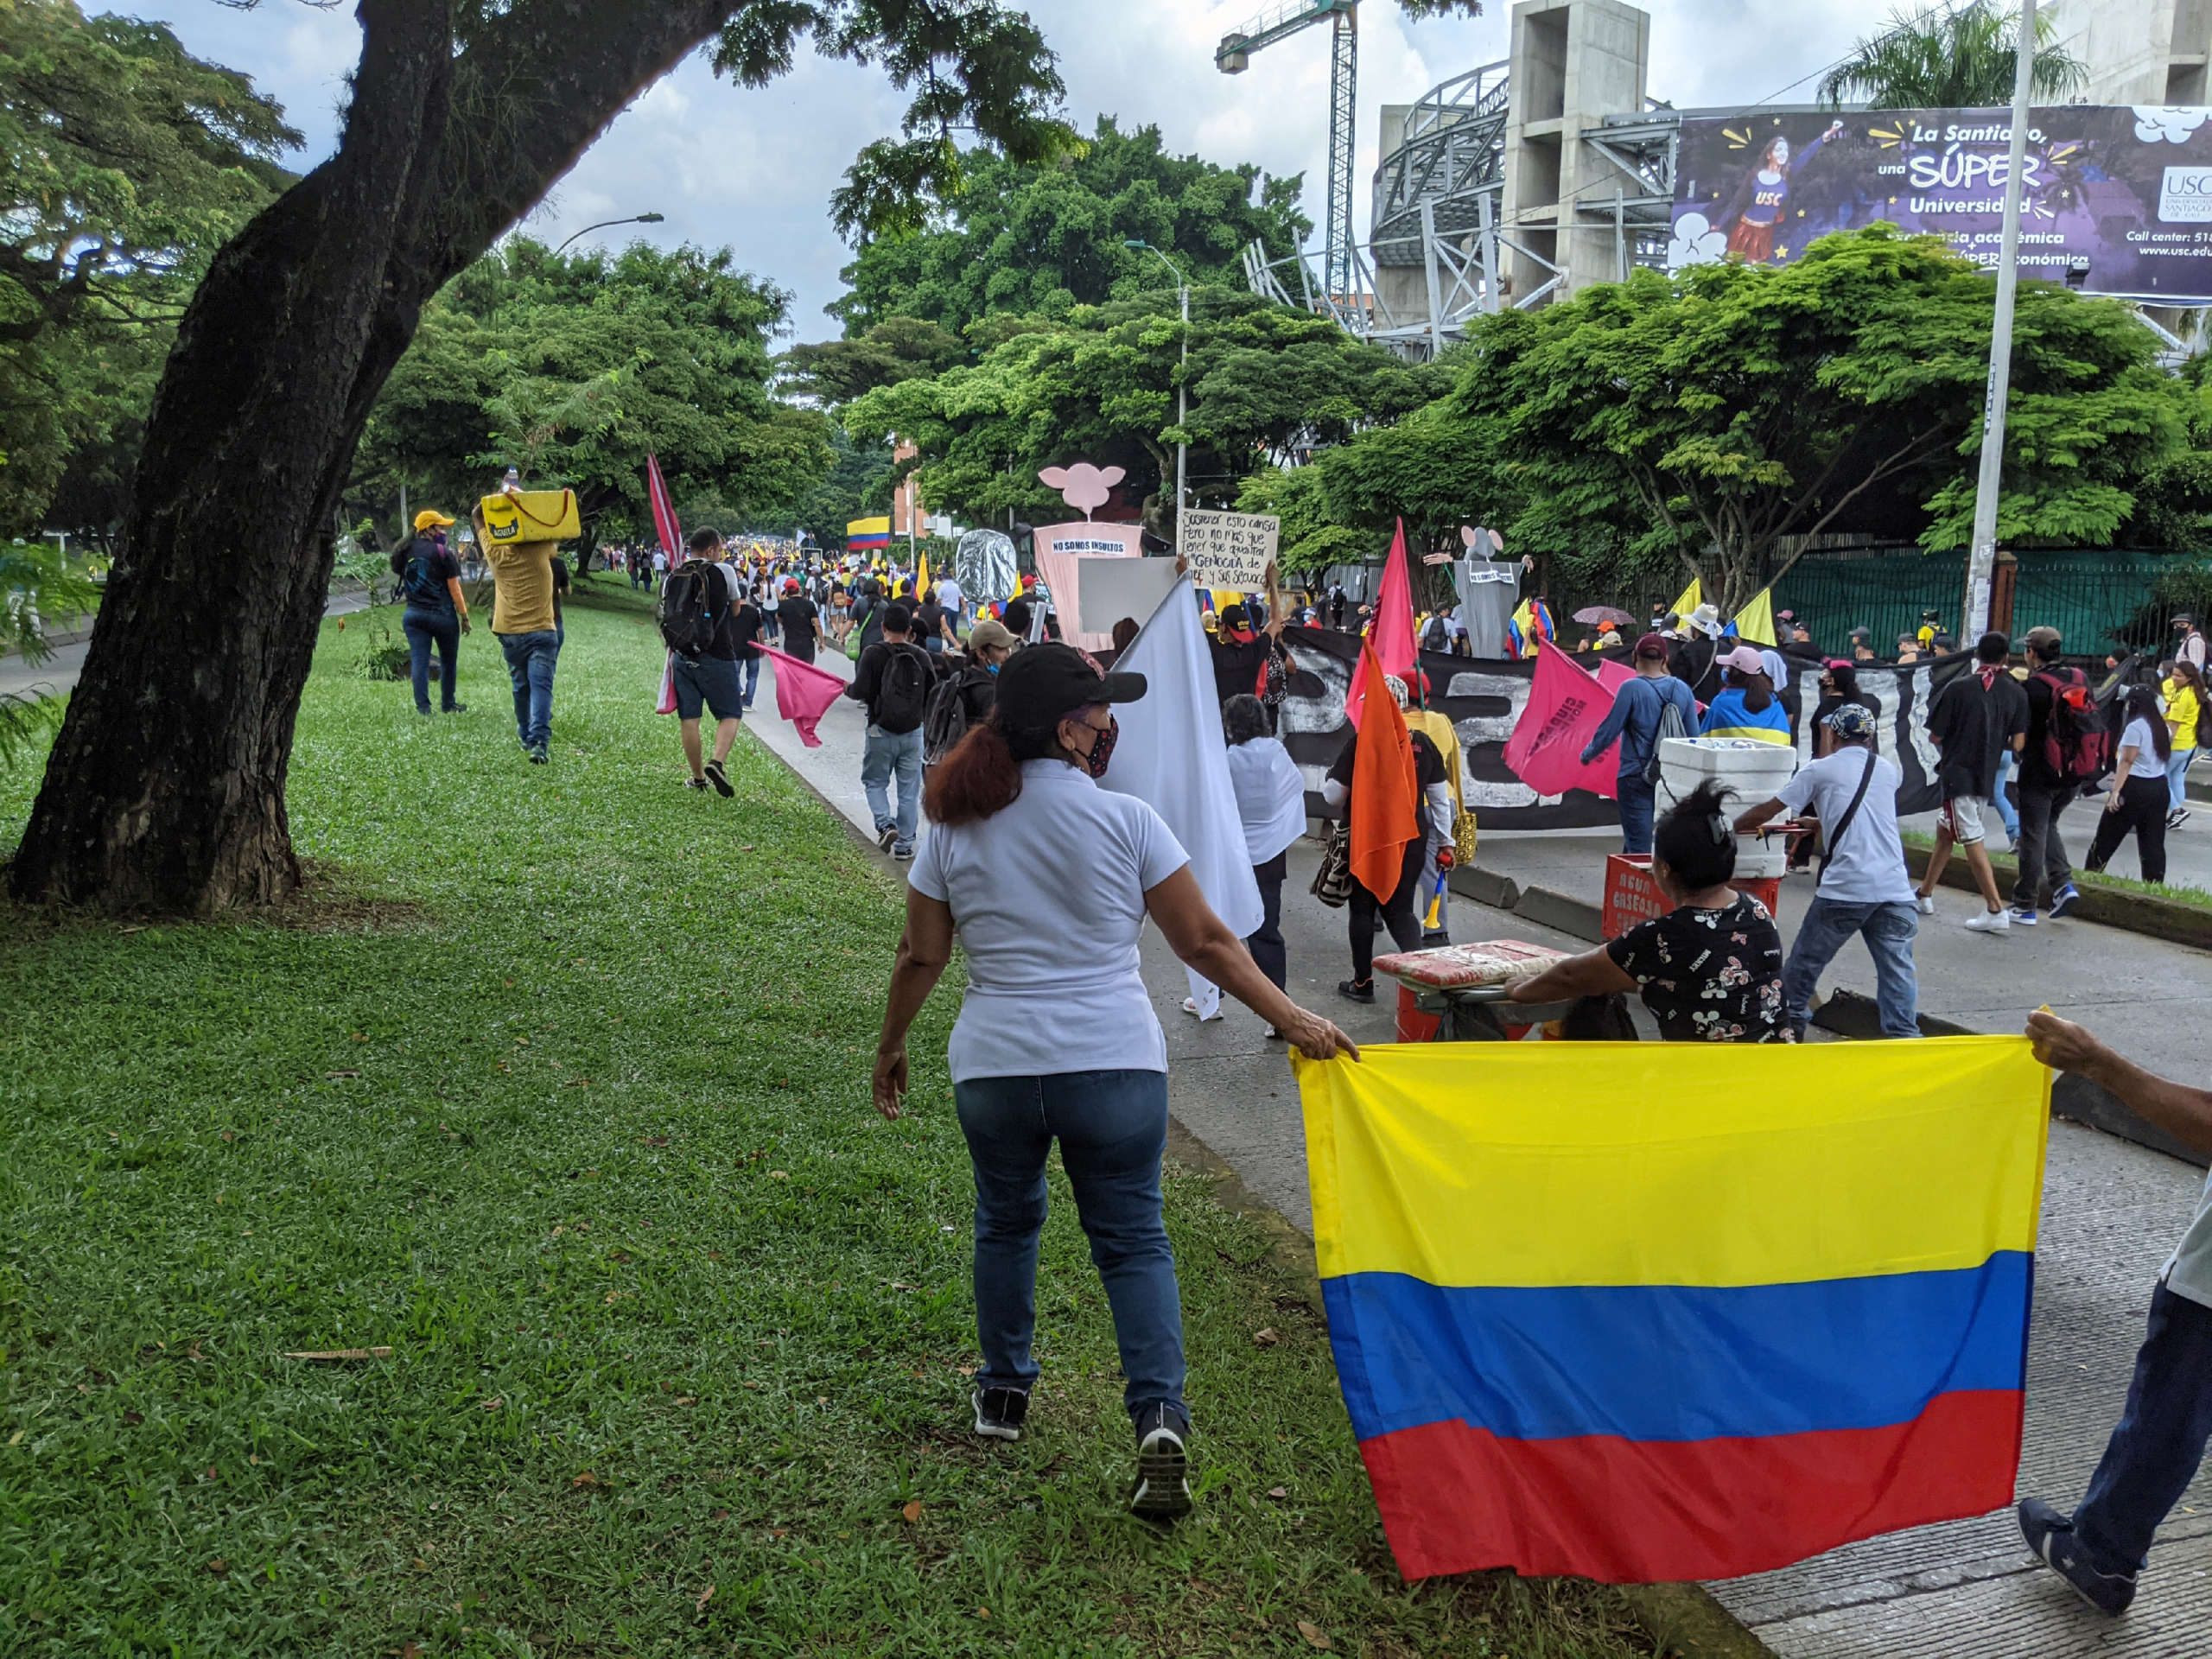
{"x":1692,"y":597}
{"x":1755,"y":620}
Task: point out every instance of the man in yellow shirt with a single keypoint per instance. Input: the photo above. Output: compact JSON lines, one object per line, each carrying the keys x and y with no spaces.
{"x":523,"y":621}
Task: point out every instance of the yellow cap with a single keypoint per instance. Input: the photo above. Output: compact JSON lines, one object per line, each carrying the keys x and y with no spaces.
{"x":431,"y":516}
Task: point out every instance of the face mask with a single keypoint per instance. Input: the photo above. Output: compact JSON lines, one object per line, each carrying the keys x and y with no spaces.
{"x":1102,"y":751}
{"x":992,"y":669}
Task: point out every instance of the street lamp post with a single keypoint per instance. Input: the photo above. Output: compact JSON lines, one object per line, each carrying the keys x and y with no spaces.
{"x":635,"y":218}
{"x":1981,"y":560}
{"x":1182,"y":385}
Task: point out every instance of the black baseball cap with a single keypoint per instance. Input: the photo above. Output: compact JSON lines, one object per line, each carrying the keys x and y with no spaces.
{"x":1040,"y":687}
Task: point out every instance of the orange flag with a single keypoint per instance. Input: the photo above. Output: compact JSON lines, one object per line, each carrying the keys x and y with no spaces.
{"x":1385,"y":799}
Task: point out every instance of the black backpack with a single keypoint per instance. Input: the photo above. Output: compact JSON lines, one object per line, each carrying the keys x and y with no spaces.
{"x":902,"y":692}
{"x":418,"y":582}
{"x":1437,"y":636}
{"x":947,"y":722}
{"x":693,"y":602}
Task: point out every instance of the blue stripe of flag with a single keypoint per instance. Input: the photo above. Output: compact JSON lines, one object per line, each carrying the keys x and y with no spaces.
{"x":1675,"y":1361}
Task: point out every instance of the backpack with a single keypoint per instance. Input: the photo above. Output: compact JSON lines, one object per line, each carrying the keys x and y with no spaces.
{"x":1436,"y":636}
{"x":693,"y":602}
{"x":1671,"y":725}
{"x":902,"y":692}
{"x":2077,"y":742}
{"x":946,"y":723}
{"x":421,"y":586}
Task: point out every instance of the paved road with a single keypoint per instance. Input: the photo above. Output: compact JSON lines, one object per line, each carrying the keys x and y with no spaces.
{"x":1965,"y":1590}
{"x":58,"y":673}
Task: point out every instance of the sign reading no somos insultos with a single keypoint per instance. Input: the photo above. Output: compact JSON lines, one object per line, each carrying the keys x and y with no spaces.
{"x":1230,"y":550}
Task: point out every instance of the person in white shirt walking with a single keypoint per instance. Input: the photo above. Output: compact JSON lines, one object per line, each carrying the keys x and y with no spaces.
{"x":1863,"y":887}
{"x":1049,"y":880}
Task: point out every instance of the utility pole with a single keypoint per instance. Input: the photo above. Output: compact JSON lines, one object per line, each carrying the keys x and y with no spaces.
{"x":1981,"y":562}
{"x":1182,"y":381}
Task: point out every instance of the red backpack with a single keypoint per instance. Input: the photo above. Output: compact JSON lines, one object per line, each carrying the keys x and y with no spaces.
{"x":2077,"y":744}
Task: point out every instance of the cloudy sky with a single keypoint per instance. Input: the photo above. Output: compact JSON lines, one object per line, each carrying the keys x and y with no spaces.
{"x":753,"y":170}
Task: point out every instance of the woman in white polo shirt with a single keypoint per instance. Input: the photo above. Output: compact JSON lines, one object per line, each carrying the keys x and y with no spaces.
{"x":1048,"y":879}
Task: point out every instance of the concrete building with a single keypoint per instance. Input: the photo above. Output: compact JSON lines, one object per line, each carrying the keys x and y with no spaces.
{"x":1575,"y":62}
{"x":2138,"y":51}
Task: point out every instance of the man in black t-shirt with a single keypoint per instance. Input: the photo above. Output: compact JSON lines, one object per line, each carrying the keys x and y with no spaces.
{"x":1399,"y":908}
{"x":800,"y":620}
{"x":893,"y":681}
{"x":710,"y":680}
{"x":2043,"y":792}
{"x":1976,"y":717}
{"x":746,"y":625}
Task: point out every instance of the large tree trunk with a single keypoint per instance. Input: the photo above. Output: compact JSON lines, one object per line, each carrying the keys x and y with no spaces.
{"x":165,"y":790}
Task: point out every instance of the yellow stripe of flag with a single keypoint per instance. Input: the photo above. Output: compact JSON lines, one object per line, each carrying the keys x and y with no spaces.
{"x":1550,"y":1164}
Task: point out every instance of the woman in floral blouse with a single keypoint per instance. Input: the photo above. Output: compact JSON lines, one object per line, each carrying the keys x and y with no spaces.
{"x":1710,"y":969}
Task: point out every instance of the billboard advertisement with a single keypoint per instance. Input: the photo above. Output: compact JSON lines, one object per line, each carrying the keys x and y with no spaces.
{"x":2123,"y":196}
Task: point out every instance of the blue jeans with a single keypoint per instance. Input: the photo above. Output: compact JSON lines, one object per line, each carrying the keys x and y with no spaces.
{"x":421,"y":628}
{"x":530,"y":659}
{"x":887,"y":752}
{"x":1112,"y":1128}
{"x":751,"y":668}
{"x":2177,"y":779}
{"x":2009,"y":814}
{"x":1889,"y":931}
{"x":1639,"y":802}
{"x":2153,"y":1454}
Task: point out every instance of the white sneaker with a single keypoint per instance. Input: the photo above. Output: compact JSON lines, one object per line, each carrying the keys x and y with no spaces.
{"x":1990,"y":921}
{"x":1924,"y":903}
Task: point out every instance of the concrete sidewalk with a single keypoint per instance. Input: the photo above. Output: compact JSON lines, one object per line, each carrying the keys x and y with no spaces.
{"x":2112,"y":1211}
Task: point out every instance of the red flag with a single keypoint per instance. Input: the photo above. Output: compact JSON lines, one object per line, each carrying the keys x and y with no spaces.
{"x":671,"y":533}
{"x":1566,"y":708}
{"x":1385,"y":796}
{"x":1392,"y":631}
{"x":804,"y":693}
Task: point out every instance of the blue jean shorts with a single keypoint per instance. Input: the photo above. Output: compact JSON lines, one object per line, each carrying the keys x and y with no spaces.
{"x":712,"y":681}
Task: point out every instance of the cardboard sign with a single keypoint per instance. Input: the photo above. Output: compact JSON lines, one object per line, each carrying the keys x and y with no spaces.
{"x":1230,"y":550}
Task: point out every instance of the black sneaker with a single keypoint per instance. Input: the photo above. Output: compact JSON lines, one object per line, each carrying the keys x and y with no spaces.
{"x":903,"y":854}
{"x":539,"y":756}
{"x":1352,"y":991}
{"x":1000,"y":1413}
{"x":2065,"y":900}
{"x":1163,"y":1466}
{"x":719,"y":779}
{"x":887,"y":837}
{"x":697,"y":785}
{"x":2051,"y":1535}
{"x":455,"y":708}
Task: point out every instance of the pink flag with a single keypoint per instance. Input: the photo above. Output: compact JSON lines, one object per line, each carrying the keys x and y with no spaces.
{"x":804,"y":693}
{"x":1392,"y":631}
{"x":1566,"y":708}
{"x":671,"y":532}
{"x":667,"y":686}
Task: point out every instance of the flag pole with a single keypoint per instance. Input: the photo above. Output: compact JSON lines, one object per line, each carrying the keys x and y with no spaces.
{"x":1981,"y":562}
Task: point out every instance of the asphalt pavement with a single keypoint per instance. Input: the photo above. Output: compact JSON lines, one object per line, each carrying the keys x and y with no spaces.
{"x":59,"y":672}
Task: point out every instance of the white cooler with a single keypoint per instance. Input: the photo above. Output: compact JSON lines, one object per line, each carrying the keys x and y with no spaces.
{"x":1752,"y":771}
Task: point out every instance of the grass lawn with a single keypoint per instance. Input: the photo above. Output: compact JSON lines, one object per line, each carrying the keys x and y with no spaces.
{"x":2175,"y":892}
{"x":558,"y":1090}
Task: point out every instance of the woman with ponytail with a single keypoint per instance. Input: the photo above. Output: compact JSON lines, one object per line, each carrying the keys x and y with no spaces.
{"x":1710,"y":969}
{"x":1048,"y":879}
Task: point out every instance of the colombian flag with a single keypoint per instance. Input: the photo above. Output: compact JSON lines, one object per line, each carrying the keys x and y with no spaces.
{"x":865,"y":534}
{"x":1592,"y":1318}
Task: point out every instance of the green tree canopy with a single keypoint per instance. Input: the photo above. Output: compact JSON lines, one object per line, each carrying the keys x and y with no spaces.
{"x":1964,"y":55}
{"x":884,"y":353}
{"x":1731,"y":406}
{"x":575,"y":367}
{"x":125,"y":163}
{"x":1099,"y":385}
{"x":1026,"y":239}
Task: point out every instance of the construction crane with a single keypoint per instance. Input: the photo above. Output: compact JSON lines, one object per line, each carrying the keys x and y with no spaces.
{"x":1234,"y":56}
